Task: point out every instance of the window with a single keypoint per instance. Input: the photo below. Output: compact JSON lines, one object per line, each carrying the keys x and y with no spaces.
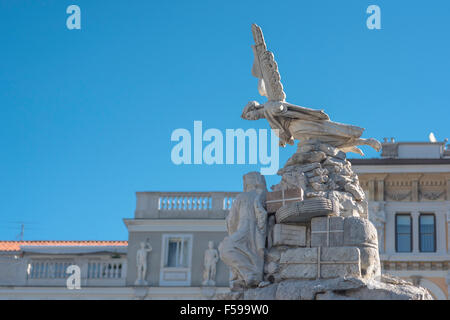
{"x":403,"y":233}
{"x":177,"y":252}
{"x":427,"y":233}
{"x":176,"y":260}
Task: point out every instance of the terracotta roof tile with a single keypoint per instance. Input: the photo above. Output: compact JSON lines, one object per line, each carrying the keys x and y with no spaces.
{"x":15,"y":245}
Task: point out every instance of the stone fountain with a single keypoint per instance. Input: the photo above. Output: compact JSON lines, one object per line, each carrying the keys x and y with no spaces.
{"x":310,"y":236}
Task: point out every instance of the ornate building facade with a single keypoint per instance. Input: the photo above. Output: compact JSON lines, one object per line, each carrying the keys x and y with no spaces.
{"x":409,"y":203}
{"x":172,"y":239}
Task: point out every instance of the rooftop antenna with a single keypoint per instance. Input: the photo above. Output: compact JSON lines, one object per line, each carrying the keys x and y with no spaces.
{"x":431,"y":137}
{"x":22,"y":231}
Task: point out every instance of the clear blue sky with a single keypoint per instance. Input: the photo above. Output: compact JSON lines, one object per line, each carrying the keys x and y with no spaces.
{"x":86,"y":115}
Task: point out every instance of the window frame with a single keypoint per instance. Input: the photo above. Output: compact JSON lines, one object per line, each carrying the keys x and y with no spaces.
{"x":410,"y":232}
{"x":434,"y":231}
{"x":166,"y":271}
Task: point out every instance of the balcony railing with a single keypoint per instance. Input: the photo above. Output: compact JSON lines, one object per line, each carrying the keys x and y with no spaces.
{"x":183,"y":204}
{"x":101,"y":272}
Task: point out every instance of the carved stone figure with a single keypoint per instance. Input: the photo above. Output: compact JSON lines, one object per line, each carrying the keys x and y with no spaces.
{"x":243,"y":249}
{"x":320,"y":242}
{"x":141,"y":262}
{"x":378,"y":218}
{"x":292,"y":121}
{"x":209,"y":265}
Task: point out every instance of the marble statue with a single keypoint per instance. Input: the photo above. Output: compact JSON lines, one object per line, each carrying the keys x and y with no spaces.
{"x":209,"y":265}
{"x":292,"y":121}
{"x":243,"y":249}
{"x":141,"y":262}
{"x":310,"y":238}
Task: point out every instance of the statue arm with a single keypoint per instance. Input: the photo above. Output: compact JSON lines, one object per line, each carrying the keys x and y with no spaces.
{"x":253,"y":111}
{"x":216,"y":256}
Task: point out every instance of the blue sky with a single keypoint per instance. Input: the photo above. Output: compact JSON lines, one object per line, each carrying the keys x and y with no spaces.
{"x":86,"y":115}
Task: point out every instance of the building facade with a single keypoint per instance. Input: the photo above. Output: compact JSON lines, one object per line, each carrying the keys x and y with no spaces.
{"x":172,"y":240}
{"x":408,"y":190}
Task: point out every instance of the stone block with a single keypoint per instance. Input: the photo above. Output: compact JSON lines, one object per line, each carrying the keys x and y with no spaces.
{"x":299,"y":255}
{"x":323,"y":263}
{"x":277,"y":199}
{"x":327,"y":231}
{"x":299,"y":271}
{"x":290,"y":235}
{"x":361,"y":233}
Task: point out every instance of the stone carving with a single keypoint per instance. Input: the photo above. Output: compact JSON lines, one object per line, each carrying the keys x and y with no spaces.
{"x":290,"y":235}
{"x":141,"y":262}
{"x":243,"y":249}
{"x":378,"y":218}
{"x":295,"y":122}
{"x":320,"y":243}
{"x":209,"y":265}
{"x":398,"y":196}
{"x":432,"y":195}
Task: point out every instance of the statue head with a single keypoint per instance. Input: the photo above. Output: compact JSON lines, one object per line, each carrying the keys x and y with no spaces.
{"x":211,"y":245}
{"x":142,"y":245}
{"x":254,"y":181}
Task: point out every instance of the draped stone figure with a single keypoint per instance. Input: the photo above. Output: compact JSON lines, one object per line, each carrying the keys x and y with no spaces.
{"x":378,"y":218}
{"x":243,"y":249}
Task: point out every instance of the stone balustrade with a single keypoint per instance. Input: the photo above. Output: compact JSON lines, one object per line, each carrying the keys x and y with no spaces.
{"x":183,"y":205}
{"x":97,"y":272}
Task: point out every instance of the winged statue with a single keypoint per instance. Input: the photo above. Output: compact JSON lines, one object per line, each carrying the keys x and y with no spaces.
{"x":292,"y":122}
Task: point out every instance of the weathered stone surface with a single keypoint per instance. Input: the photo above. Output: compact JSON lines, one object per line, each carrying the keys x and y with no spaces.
{"x":327,"y":231}
{"x":347,"y":205}
{"x":302,"y":263}
{"x":291,"y":235}
{"x":349,"y":289}
{"x":303,"y":211}
{"x":308,"y":289}
{"x":299,"y":255}
{"x":277,"y":199}
{"x":273,"y":254}
{"x":355,"y":190}
{"x":306,"y":157}
{"x":301,"y":168}
{"x":243,"y":249}
{"x":271,"y":267}
{"x":339,"y":254}
{"x":361,"y":233}
{"x":318,"y":179}
{"x":265,"y":293}
{"x":316,"y":172}
{"x":377,"y":290}
{"x":299,"y":271}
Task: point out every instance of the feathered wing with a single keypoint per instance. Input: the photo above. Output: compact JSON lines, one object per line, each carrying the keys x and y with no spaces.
{"x":266,"y":69}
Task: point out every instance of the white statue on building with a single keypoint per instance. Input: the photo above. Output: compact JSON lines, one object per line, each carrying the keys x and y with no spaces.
{"x":141,"y":262}
{"x":210,"y":263}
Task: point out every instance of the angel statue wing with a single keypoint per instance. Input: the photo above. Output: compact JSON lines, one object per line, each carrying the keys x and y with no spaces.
{"x":266,"y":69}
